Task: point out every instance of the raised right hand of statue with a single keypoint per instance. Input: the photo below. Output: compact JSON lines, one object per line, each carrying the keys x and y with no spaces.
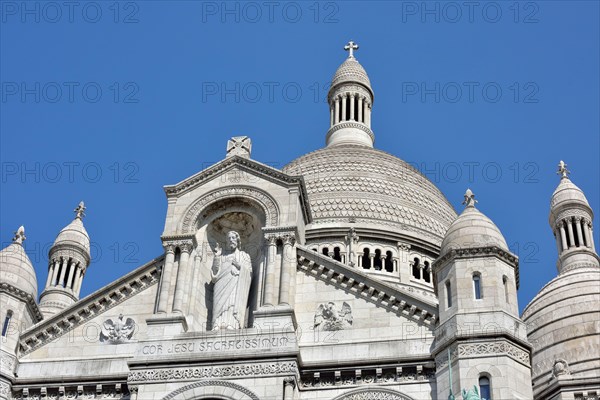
{"x":218,"y":249}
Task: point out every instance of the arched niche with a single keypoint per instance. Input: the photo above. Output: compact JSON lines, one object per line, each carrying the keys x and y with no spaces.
{"x":245,"y":216}
{"x":205,"y":390}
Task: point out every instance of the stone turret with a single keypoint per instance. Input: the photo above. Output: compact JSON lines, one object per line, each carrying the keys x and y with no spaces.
{"x":476,"y":281}
{"x":350,"y":101}
{"x":69,"y":258}
{"x":18,"y":310}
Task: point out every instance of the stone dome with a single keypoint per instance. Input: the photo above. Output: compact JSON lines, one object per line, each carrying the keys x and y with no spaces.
{"x":74,"y":234}
{"x":350,"y":71}
{"x":563,"y":323}
{"x":472,"y":229}
{"x":17,"y":270}
{"x":567,"y":193}
{"x":355,"y":183}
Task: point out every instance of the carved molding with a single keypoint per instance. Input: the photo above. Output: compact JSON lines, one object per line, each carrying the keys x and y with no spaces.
{"x":370,"y":376}
{"x":242,"y":390}
{"x":29,"y":300}
{"x":88,"y":308}
{"x":216,"y":371}
{"x":373,"y":394}
{"x":350,"y":124}
{"x":62,"y":391}
{"x":496,"y":348}
{"x":264,"y":200}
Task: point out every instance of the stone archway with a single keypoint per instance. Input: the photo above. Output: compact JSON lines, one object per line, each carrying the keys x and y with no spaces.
{"x":218,"y":390}
{"x":373,"y":393}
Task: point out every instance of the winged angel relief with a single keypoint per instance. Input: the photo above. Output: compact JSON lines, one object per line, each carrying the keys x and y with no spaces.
{"x":329,"y":318}
{"x":118,"y":330}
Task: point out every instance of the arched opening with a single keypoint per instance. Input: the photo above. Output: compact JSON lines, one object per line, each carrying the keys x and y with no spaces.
{"x":337,"y":254}
{"x":505,"y":284}
{"x":477,"y":286}
{"x":485,"y":391}
{"x":366,"y":260}
{"x":416,"y":273}
{"x":325,"y":251}
{"x":377,"y":260}
{"x":6,"y":323}
{"x":426,"y":272}
{"x":389,"y":262}
{"x":448,"y":295}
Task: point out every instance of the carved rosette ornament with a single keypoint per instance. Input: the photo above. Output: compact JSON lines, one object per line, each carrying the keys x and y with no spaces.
{"x":560,"y":368}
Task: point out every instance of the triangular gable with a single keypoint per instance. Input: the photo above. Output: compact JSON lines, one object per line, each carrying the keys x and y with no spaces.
{"x":249,"y":166}
{"x":362,"y":285}
{"x":91,"y":306}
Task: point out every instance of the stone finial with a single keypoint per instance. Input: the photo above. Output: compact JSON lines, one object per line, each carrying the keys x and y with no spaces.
{"x":469,"y":200}
{"x":350,"y":47}
{"x":562,"y":170}
{"x":80,"y":210}
{"x":19,"y":235}
{"x":239,"y":146}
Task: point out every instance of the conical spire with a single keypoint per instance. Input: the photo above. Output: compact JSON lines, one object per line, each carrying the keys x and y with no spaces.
{"x":350,"y":102}
{"x":16,"y":268}
{"x":571,"y":221}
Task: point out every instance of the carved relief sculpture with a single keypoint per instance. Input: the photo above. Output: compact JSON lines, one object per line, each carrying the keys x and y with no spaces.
{"x":328,"y":318}
{"x":117,"y":331}
{"x":231,"y":274}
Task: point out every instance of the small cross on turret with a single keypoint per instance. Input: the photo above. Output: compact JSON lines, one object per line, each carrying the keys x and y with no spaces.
{"x":469,"y":199}
{"x":562,"y":169}
{"x":19,"y":235}
{"x":79,"y":211}
{"x":350,"y":47}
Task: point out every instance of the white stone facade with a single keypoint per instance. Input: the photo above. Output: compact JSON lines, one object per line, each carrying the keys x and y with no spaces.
{"x":365,"y":285}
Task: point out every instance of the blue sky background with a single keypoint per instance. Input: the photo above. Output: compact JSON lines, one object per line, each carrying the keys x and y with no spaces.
{"x":161,"y":113}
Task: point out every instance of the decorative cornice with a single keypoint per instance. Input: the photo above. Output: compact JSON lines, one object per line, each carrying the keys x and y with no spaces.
{"x":349,"y":124}
{"x":483,"y":349}
{"x":27,"y":298}
{"x":212,"y":371}
{"x":474,"y":252}
{"x":89,"y":307}
{"x":362,"y":285}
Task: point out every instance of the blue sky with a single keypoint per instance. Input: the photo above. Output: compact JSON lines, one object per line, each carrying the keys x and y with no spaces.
{"x":108,"y":101}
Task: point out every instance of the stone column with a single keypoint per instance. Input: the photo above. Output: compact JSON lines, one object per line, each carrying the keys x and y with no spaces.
{"x":372,"y":258}
{"x":592,"y":236}
{"x":288,"y":388}
{"x":55,"y":271}
{"x":368,"y":115}
{"x":383,"y":258}
{"x":63,"y":271}
{"x":53,"y":265}
{"x":336,"y":116}
{"x":578,"y":230}
{"x":570,"y":229}
{"x":557,"y":238}
{"x":351,"y":117}
{"x":288,"y":270}
{"x":403,"y":271}
{"x":71,"y":274}
{"x":331,"y":120}
{"x":586,"y":233}
{"x":563,"y":235}
{"x":360,"y":109}
{"x":78,"y":281}
{"x":359,"y":256}
{"x":344,"y":107}
{"x":166,"y":278}
{"x":182,"y":276}
{"x":269,"y":298}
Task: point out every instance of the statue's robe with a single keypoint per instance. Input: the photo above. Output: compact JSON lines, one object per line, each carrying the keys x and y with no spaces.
{"x":231,"y":290}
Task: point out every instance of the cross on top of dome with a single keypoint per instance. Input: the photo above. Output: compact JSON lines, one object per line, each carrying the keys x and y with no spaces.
{"x":469,"y":199}
{"x":79,"y":211}
{"x":562,"y":169}
{"x":19,"y":235}
{"x":350,"y":47}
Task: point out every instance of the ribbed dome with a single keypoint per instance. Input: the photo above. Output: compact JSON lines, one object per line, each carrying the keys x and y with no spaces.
{"x":567,"y":193}
{"x":364,"y":185}
{"x":563,"y":323}
{"x":350,"y":72}
{"x":74,"y":234}
{"x":16,"y":269}
{"x":472,"y":229}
